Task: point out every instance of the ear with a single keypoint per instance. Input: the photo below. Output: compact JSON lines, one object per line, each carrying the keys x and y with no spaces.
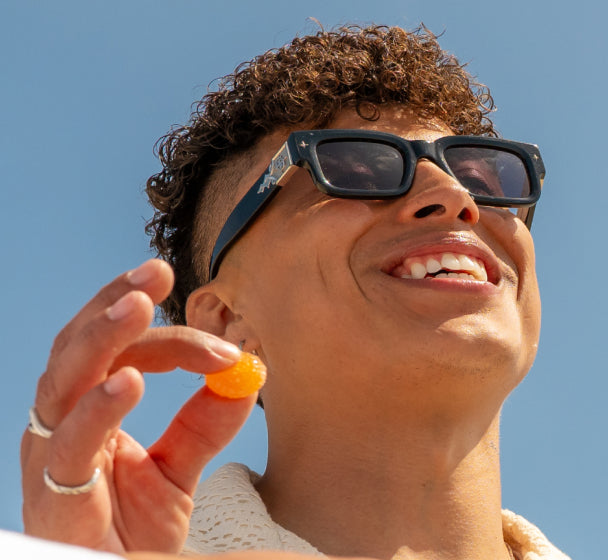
{"x":207,"y":312}
{"x":210,"y":311}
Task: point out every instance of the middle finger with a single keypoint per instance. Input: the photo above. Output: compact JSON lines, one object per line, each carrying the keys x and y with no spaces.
{"x":85,"y":358}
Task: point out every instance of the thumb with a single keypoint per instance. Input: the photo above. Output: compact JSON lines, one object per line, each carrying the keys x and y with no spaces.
{"x":199,"y":431}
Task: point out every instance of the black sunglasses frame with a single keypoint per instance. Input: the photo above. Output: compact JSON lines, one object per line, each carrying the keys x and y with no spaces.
{"x":300,"y":150}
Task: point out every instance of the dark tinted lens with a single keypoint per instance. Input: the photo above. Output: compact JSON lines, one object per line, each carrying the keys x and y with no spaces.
{"x":363,"y":166}
{"x":489,"y":171}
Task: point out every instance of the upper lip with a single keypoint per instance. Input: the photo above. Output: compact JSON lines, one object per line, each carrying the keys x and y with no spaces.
{"x":459,"y":243}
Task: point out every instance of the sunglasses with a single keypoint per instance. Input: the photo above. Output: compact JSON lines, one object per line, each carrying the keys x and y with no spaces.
{"x":366,"y":164}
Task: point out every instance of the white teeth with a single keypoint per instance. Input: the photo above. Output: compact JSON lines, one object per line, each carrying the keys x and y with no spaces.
{"x":456,"y":266}
{"x":483,"y":275}
{"x":467,"y":263}
{"x":433,"y":266}
{"x":418,"y":270}
{"x":448,"y":260}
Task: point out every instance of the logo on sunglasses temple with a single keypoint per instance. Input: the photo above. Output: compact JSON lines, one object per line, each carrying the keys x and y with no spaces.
{"x":274,"y":172}
{"x":266,"y":183}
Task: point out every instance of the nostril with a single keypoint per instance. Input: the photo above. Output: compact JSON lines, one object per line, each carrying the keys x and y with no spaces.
{"x":466,"y":215}
{"x":430,"y":209}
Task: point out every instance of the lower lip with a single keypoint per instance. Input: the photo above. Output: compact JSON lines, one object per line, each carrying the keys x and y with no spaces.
{"x":457,"y":285}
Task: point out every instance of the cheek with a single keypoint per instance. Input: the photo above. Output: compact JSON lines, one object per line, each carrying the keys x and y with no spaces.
{"x":312,"y":239}
{"x":518,"y":249}
{"x":301,"y":280}
{"x":530,"y":305}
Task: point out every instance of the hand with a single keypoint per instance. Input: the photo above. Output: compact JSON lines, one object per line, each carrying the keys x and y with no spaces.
{"x":142,"y":500}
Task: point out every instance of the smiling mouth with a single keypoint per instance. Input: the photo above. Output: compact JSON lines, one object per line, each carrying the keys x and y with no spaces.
{"x":442,"y":265}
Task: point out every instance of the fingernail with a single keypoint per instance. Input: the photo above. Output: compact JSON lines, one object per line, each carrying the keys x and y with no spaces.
{"x":142,"y":274}
{"x":115,"y":384}
{"x":224,"y":349}
{"x":121,"y":309}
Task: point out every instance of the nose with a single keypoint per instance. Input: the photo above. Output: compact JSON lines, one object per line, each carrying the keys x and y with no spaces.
{"x":436,"y":195}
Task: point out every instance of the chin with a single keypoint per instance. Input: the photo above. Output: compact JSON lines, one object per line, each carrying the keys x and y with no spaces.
{"x":467,"y":359}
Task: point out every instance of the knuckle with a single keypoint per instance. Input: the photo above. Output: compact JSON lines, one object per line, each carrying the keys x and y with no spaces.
{"x":92,"y":333}
{"x":48,"y":392}
{"x":61,"y":451}
{"x":205,"y":440}
{"x":91,"y":407}
{"x":61,"y":342}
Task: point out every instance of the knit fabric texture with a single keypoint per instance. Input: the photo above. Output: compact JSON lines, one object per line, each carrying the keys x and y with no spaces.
{"x":229,"y":515}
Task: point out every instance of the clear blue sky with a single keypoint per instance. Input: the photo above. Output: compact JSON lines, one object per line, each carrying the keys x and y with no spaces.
{"x":88,"y":87}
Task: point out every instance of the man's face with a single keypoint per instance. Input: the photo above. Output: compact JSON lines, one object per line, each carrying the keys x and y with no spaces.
{"x":344,"y":295}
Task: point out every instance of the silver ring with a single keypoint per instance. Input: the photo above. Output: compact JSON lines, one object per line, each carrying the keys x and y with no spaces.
{"x":70,"y":490}
{"x":36,"y":426}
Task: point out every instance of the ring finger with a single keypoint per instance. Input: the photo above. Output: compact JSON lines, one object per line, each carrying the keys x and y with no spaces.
{"x":78,"y":444}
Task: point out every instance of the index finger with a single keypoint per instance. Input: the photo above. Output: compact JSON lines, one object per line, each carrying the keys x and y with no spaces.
{"x":154,"y":277}
{"x":163,"y":349}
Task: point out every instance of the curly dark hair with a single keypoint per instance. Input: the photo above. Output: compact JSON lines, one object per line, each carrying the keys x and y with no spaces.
{"x":308,"y":81}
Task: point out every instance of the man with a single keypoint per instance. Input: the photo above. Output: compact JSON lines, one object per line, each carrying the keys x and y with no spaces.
{"x":374,"y":264}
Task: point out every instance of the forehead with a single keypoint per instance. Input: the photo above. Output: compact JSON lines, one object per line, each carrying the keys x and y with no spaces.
{"x":400,"y":121}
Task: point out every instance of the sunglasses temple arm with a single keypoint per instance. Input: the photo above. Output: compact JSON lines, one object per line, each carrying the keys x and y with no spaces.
{"x":254,"y":201}
{"x":242,"y":215}
{"x":532,"y":209}
{"x":529,"y":216}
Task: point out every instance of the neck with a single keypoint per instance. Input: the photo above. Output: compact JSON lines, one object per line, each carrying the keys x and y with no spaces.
{"x":430,"y":489}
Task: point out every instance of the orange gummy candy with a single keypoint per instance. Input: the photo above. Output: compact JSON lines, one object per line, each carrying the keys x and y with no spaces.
{"x":239,"y":380}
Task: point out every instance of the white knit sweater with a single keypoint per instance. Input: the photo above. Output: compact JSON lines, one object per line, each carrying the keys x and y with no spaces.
{"x":230,"y":515}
